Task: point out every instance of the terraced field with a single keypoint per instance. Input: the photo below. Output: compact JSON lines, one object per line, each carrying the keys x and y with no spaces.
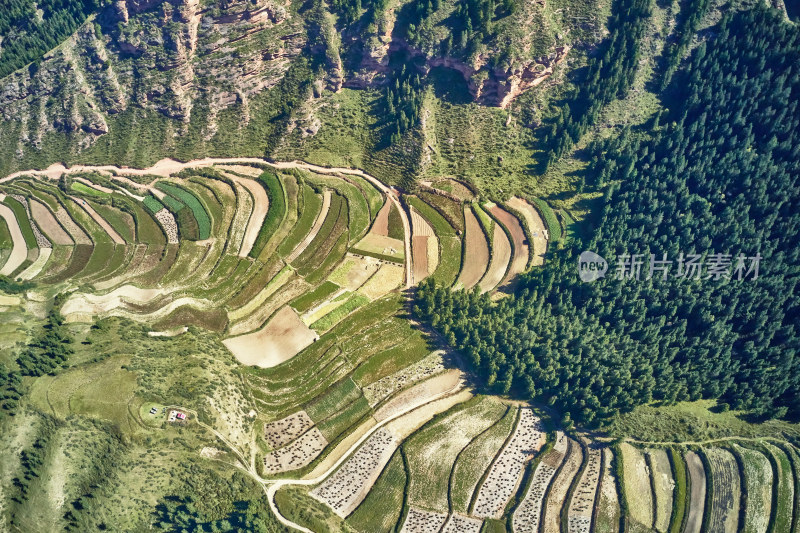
{"x":297,"y":275}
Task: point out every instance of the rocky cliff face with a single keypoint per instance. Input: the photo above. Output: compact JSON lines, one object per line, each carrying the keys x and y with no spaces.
{"x":156,"y":54}
{"x":175,"y":57}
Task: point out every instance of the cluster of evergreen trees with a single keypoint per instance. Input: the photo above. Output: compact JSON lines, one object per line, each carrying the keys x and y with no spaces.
{"x":609,"y":76}
{"x":471,"y":23}
{"x":720,"y":177}
{"x":402,"y":102}
{"x":50,"y":349}
{"x":10,"y":390}
{"x":27,"y":36}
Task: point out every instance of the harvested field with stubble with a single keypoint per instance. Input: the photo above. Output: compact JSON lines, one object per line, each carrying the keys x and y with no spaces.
{"x":608,"y":509}
{"x":636,"y":483}
{"x":386,"y":279}
{"x":757,"y":484}
{"x":297,"y":454}
{"x":582,"y":504}
{"x":422,"y":521}
{"x":476,"y":253}
{"x":280,"y":340}
{"x":281,"y":432}
{"x":528,"y":515}
{"x":557,"y":495}
{"x":428,"y":389}
{"x":457,"y":523}
{"x":506,"y":470}
{"x":725,"y":489}
{"x":349,"y":485}
{"x":536,"y":227}
{"x":663,"y":484}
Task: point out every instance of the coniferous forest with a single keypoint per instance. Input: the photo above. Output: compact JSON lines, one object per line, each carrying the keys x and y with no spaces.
{"x":715,"y":176}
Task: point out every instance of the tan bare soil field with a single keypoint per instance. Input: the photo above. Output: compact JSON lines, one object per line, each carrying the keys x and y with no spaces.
{"x":558,"y":491}
{"x":253,"y":172}
{"x":37,"y":266}
{"x":501,"y":255}
{"x":662,"y":482}
{"x":381,"y":224}
{"x":422,"y":521}
{"x":49,"y":225}
{"x":419,"y":250}
{"x":697,"y":496}
{"x":477,"y":252}
{"x":388,"y":277}
{"x":520,"y":258}
{"x":447,"y":381}
{"x":280,"y":340}
{"x":101,"y":221}
{"x":407,"y":424}
{"x":536,"y":227}
{"x":18,"y":251}
{"x":323,"y":212}
{"x":259,"y":212}
{"x":75,"y":231}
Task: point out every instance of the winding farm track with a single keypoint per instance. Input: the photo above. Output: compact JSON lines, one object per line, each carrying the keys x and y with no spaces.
{"x":167,"y":167}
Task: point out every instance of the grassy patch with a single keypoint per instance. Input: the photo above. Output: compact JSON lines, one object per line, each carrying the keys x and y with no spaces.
{"x":344,"y":419}
{"x":681,"y":494}
{"x":22,"y":219}
{"x":315,"y":297}
{"x":151,"y":203}
{"x":381,"y":508}
{"x":276,"y":213}
{"x":396,"y":224}
{"x":5,"y":235}
{"x":694,"y":421}
{"x":331,"y":403}
{"x":121,"y":222}
{"x":411,"y":349}
{"x":312,"y":204}
{"x":85,"y":189}
{"x":334,"y":317}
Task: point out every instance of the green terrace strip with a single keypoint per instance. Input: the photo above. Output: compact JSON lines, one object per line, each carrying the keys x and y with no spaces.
{"x":151,"y":203}
{"x":275,"y":214}
{"x":550,"y":219}
{"x":85,"y":189}
{"x":191,"y":201}
{"x":334,"y":317}
{"x":314,"y":297}
{"x":311,"y":206}
{"x":23,"y":221}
